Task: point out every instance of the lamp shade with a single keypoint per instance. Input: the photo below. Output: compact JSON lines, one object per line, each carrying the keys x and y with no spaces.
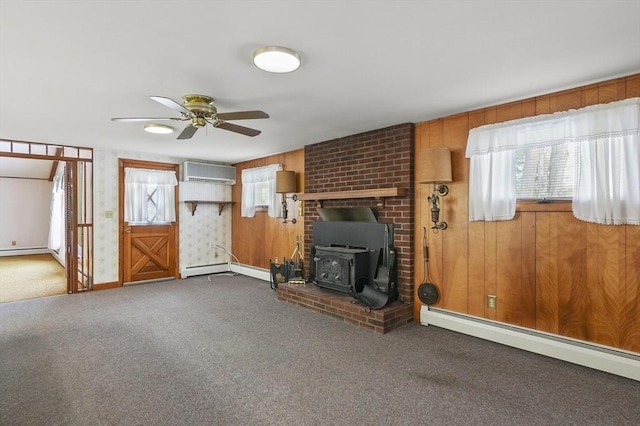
{"x":435,"y":164}
{"x":285,"y":182}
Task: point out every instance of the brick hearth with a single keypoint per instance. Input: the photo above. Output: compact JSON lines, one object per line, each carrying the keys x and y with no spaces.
{"x":341,"y":307}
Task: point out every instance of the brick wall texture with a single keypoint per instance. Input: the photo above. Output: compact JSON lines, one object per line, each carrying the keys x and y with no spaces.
{"x":376,"y":159}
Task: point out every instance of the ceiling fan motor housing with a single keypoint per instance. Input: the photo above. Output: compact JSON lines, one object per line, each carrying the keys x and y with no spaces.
{"x":200,"y":104}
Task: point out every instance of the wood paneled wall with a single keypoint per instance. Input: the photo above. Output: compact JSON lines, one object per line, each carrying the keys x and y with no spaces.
{"x":549,"y":271}
{"x":257,"y":239}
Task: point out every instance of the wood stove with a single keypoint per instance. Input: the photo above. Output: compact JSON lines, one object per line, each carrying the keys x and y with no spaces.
{"x":357,"y":258}
{"x":341,"y":269}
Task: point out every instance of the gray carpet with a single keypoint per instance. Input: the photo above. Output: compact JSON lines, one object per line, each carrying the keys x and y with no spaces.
{"x":227,"y":352}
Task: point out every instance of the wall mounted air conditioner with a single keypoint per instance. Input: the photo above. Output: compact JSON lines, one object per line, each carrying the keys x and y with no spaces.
{"x":204,"y":172}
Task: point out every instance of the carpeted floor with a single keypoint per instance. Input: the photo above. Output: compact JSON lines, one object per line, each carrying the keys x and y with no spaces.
{"x":227,"y":352}
{"x":30,"y":276}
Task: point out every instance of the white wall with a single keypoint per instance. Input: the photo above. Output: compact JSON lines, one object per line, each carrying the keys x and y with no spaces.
{"x":198,"y":233}
{"x":24,"y":213}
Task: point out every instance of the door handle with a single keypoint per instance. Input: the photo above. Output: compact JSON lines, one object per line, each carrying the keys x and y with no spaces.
{"x":127,"y":231}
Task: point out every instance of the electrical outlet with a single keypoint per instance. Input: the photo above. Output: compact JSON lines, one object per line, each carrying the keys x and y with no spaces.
{"x":108,"y":214}
{"x":492,"y":301}
{"x":14,"y":243}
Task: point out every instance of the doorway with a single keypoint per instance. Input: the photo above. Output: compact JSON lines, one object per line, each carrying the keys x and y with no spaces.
{"x":70,"y":170}
{"x":148,"y":246}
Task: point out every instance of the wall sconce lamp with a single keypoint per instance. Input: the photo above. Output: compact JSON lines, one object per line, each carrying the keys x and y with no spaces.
{"x":437,"y":170}
{"x":286,"y":184}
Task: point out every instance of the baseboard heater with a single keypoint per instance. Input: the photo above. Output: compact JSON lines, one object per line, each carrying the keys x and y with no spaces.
{"x":216,"y":268}
{"x":599,"y":357}
{"x":250,"y":271}
{"x":24,"y":251}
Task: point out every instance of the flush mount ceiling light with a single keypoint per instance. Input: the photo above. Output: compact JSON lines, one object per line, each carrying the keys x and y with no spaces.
{"x":161,"y":129}
{"x":276,"y":59}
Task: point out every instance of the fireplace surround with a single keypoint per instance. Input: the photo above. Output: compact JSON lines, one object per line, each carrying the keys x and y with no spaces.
{"x":374,"y":160}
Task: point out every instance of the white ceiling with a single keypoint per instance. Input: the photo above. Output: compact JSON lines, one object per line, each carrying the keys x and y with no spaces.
{"x":67,"y":67}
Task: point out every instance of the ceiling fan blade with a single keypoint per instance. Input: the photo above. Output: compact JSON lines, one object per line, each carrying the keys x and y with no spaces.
{"x":171,"y":104}
{"x":188,"y":132}
{"x":238,"y":129}
{"x":242,"y":115}
{"x":148,"y":119}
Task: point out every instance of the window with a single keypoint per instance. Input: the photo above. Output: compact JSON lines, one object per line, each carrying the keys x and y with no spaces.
{"x":259,"y":190}
{"x":546,"y":172}
{"x":590,"y":155}
{"x":262,"y":195}
{"x":149,"y":197}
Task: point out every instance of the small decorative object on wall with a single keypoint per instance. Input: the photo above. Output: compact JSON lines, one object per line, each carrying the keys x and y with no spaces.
{"x":437,"y":170}
{"x":286,"y":184}
{"x":427,"y":291}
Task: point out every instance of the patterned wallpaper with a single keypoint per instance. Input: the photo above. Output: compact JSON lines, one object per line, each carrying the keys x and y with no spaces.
{"x":198,"y":233}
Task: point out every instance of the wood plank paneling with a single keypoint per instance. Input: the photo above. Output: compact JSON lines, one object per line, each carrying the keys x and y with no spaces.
{"x":421,"y":192}
{"x":549,"y":270}
{"x":564,"y":101}
{"x":573,"y":303}
{"x":546,"y":282}
{"x":454,"y":211}
{"x":606,"y":299}
{"x":258,"y":239}
{"x":509,"y":274}
{"x":491,"y":266}
{"x":528,"y":298}
{"x":608,"y":92}
{"x":589,"y":95}
{"x":632,"y":86}
{"x":630,"y":328}
{"x":477,"y":295}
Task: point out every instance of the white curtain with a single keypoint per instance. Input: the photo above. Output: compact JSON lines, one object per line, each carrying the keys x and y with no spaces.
{"x":149,"y":196}
{"x":57,"y":213}
{"x":492,"y":186}
{"x":608,"y":189}
{"x":251,"y":178}
{"x":608,"y":138}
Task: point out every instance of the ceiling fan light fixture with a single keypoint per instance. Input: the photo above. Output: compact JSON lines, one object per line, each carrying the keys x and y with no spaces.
{"x":161,"y":129}
{"x":276,"y":59}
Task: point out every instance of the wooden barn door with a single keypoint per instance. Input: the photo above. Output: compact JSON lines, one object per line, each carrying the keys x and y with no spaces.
{"x":147,"y":251}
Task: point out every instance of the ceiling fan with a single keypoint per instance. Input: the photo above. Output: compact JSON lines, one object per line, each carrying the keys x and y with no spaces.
{"x":200,"y":110}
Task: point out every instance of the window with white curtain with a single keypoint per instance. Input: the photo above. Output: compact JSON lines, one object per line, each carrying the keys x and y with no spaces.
{"x":259,"y":190}
{"x":149,"y":197}
{"x":597,"y":146}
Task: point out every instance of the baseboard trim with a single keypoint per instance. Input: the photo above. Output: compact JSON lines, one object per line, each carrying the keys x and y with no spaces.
{"x":214,"y":268}
{"x":599,"y":357}
{"x":25,"y":251}
{"x":217,"y":268}
{"x":251,"y":271}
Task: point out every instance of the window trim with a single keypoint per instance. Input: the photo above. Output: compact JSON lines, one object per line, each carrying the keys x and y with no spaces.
{"x":546,"y":206}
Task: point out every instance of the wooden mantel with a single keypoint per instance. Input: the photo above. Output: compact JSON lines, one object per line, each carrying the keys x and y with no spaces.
{"x":379,"y":194}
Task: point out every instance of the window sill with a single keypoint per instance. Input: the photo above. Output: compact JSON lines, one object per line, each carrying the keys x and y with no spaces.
{"x":549,"y":206}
